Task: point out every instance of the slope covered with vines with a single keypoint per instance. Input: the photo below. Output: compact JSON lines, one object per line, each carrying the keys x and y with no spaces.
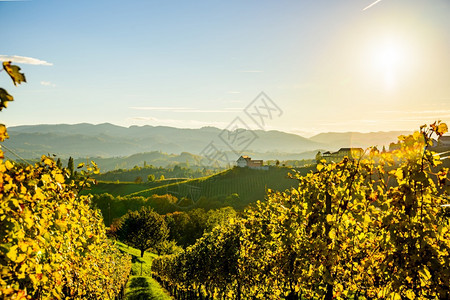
{"x":371,"y":228}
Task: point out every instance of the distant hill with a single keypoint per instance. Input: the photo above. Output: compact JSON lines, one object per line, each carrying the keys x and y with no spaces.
{"x":114,"y":147}
{"x":154,"y":158}
{"x":336,"y":140}
{"x":107,"y":140}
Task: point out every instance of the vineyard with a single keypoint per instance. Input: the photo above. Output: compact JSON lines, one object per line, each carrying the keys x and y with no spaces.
{"x":376,"y":227}
{"x":250,"y":185}
{"x":52,"y":244}
{"x":126,"y":188}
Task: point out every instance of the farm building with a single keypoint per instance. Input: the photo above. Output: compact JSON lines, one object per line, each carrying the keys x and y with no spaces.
{"x":246,"y":161}
{"x":351,"y":153}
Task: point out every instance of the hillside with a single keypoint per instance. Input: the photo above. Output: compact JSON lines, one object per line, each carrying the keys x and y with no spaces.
{"x":241,"y":186}
{"x":125,"y":188}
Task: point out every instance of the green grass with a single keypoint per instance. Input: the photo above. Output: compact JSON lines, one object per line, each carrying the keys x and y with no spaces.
{"x":138,"y":261}
{"x":141,"y":285}
{"x":144,"y":288}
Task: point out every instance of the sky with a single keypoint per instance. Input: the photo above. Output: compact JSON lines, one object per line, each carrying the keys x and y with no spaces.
{"x":348,"y":65}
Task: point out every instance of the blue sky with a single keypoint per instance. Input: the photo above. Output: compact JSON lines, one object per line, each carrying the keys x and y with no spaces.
{"x":329,"y":65}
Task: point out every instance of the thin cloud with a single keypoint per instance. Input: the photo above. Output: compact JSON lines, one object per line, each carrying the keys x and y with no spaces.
{"x":185,"y":109}
{"x":158,"y":108}
{"x":234,"y":92}
{"x":24,"y":60}
{"x":48,"y":83}
{"x":371,"y":5}
{"x":251,"y":71}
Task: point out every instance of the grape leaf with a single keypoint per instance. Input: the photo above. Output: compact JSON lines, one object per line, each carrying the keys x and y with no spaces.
{"x":14,"y":73}
{"x":3,"y":134}
{"x":442,"y":129}
{"x":4,"y":98}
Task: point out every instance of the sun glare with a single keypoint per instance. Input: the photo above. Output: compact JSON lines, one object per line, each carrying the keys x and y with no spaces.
{"x":390,"y":57}
{"x":390,"y":60}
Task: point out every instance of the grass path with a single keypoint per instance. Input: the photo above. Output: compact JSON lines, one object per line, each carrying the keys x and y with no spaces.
{"x":143,"y":287}
{"x":140,"y":284}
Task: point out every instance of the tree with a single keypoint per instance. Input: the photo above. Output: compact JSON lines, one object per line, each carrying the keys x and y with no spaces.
{"x":70,"y":166}
{"x":319,"y":157}
{"x":138,"y":179}
{"x":59,"y":163}
{"x":151,"y":178}
{"x":143,"y":229}
{"x":162,"y":177}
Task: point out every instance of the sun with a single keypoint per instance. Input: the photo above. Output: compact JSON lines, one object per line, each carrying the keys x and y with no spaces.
{"x":390,"y":57}
{"x":390,"y":60}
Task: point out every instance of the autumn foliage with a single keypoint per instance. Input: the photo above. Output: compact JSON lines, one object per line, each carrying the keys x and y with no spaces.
{"x":372,"y":228}
{"x":52,"y":244}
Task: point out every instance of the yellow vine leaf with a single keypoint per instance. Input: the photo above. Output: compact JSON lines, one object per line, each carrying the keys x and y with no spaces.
{"x":332,"y":234}
{"x":410,"y":294}
{"x":442,"y":129}
{"x":14,"y":72}
{"x":9,"y":165}
{"x":3,"y":134}
{"x":330,"y":218}
{"x":4,"y":98}
{"x":395,"y":296}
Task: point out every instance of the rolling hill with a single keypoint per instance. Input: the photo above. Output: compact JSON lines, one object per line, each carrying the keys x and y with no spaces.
{"x":247,"y":185}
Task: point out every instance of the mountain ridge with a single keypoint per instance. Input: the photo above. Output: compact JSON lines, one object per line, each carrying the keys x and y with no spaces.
{"x":110,"y":140}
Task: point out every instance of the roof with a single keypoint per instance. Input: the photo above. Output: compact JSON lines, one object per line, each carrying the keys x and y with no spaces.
{"x":246,"y":157}
{"x":349,"y":149}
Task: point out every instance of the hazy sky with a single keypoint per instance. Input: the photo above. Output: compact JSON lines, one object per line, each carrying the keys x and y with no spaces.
{"x":328,"y":65}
